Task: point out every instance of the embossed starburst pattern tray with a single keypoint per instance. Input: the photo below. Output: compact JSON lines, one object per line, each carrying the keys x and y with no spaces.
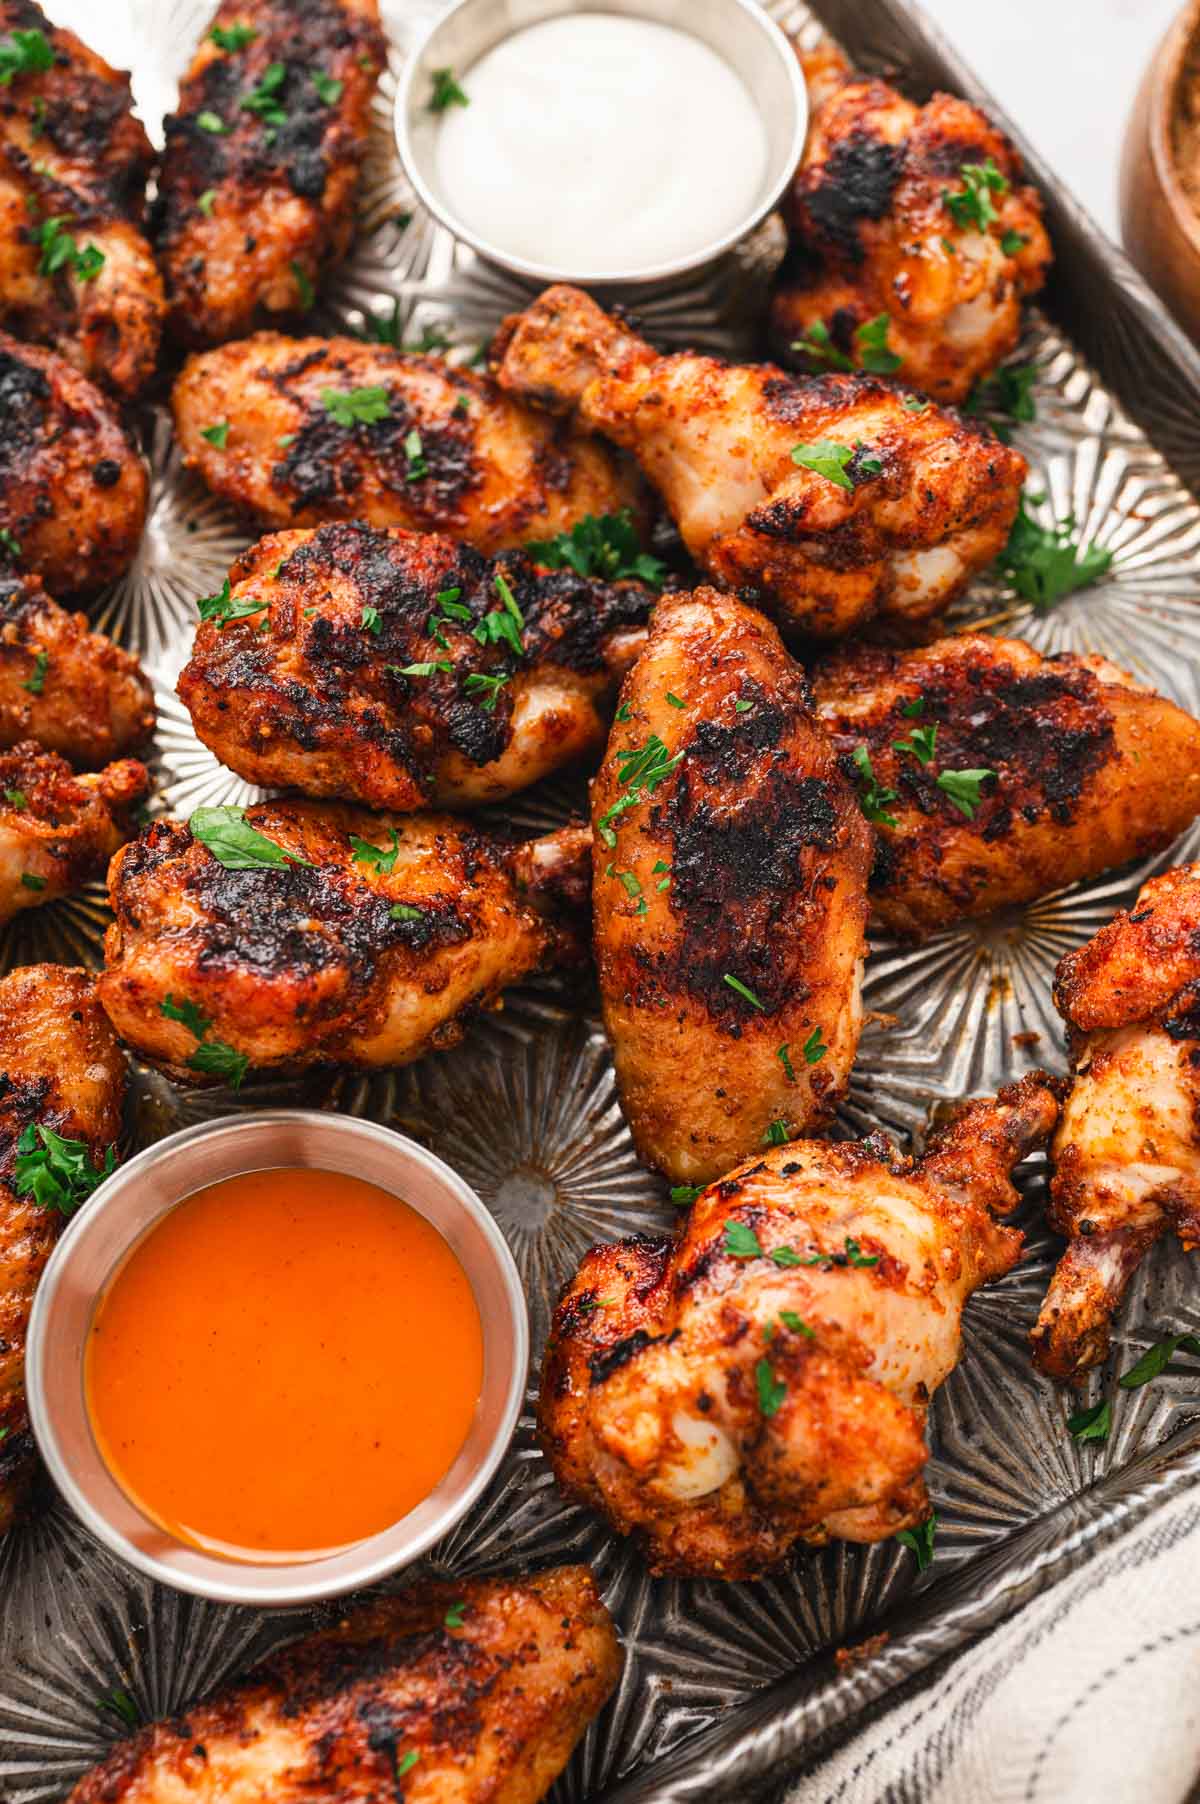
{"x":724,"y":1686}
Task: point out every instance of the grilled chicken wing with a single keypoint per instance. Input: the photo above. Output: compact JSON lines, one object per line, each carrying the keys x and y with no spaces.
{"x":431,"y":447}
{"x":764,"y":1377}
{"x":58,"y":830}
{"x":1071,"y":768}
{"x":916,"y":238}
{"x":310,"y":694}
{"x":366,"y":947}
{"x":76,"y":271}
{"x":61,"y":1069}
{"x":1127,"y":1152}
{"x":262,"y":161}
{"x":903,"y":509}
{"x":729,"y":893}
{"x":393,"y":1703}
{"x":72,"y":489}
{"x":72,"y":690}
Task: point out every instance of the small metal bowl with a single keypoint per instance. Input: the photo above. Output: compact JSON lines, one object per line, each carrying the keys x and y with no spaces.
{"x":738,"y":30}
{"x":120,"y":1213}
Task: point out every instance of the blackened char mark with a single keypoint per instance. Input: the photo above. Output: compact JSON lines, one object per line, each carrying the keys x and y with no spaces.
{"x":856,"y":182}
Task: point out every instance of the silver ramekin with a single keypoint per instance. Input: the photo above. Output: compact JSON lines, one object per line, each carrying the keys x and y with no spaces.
{"x":118,"y":1215}
{"x":738,"y":30}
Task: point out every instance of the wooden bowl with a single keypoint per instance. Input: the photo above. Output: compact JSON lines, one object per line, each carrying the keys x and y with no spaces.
{"x":1160,"y":223}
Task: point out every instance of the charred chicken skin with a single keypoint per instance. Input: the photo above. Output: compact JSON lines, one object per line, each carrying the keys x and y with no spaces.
{"x":393,"y":1703}
{"x":995,"y":774}
{"x":513,"y":666}
{"x":69,"y":688}
{"x":903,"y":509}
{"x":764,"y":1377}
{"x":432,"y":447}
{"x":1127,"y":1152}
{"x":57,"y":830}
{"x":365,"y":945}
{"x":262,"y":161}
{"x":72,"y":489}
{"x":730,"y":871}
{"x":915,"y":237}
{"x":60,"y":1069}
{"x":76,"y":271}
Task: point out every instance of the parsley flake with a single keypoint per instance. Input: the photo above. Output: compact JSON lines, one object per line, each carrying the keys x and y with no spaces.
{"x":684,"y":1194}
{"x":304,"y":285}
{"x":235,"y":844}
{"x":1155,"y":1359}
{"x":481,"y":683}
{"x":643,"y":768}
{"x":785,"y":1059}
{"x":742,"y":1242}
{"x":36,"y":681}
{"x":431,"y":667}
{"x":217,"y":435}
{"x":1092,"y":1424}
{"x":223,"y":608}
{"x":921,"y":742}
{"x":736,"y":984}
{"x":357,"y":406}
{"x":404,"y":911}
{"x":383,"y":858}
{"x":211,"y":122}
{"x":972,"y":205}
{"x":122,"y":1706}
{"x":329,"y":88}
{"x":777,"y":1133}
{"x":60,"y":251}
{"x":233,"y":37}
{"x":16,"y":798}
{"x":674,"y":700}
{"x":187,"y":1014}
{"x":445,"y":92}
{"x":56,"y":1172}
{"x":600,"y":545}
{"x":1045,"y":563}
{"x":8,"y":543}
{"x":873,"y":353}
{"x":414,"y":453}
{"x":814,"y":1048}
{"x":919,"y":1540}
{"x":796,"y":1323}
{"x":372,"y":620}
{"x":1008,"y":390}
{"x":24,"y":53}
{"x":264,"y":99}
{"x":454,"y":1615}
{"x":1012,"y":243}
{"x":872,"y":797}
{"x":771,"y":1390}
{"x":817,"y":344}
{"x":827,"y":459}
{"x":31,"y":881}
{"x":963,"y":787}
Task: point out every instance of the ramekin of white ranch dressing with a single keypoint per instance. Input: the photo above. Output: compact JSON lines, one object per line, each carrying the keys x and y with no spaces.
{"x":622,"y":143}
{"x":596,"y":141}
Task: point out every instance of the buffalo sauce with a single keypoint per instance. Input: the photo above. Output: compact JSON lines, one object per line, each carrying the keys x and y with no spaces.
{"x":287,"y":1362}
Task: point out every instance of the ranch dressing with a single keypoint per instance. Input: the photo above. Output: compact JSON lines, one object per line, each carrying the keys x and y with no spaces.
{"x":596,"y":143}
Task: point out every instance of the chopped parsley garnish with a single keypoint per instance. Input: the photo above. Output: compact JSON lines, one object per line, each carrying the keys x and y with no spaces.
{"x":911,"y":710}
{"x":972,"y":205}
{"x":454,"y":1615}
{"x":235,"y":844}
{"x":664,"y":879}
{"x":962,"y":786}
{"x":817,"y":344}
{"x":682,"y":1195}
{"x":736,"y":984}
{"x":489,"y":687}
{"x":211,"y":122}
{"x":187,"y":1014}
{"x":919,"y":1541}
{"x":233,"y":37}
{"x":1044,"y":563}
{"x":357,"y":406}
{"x":853,"y":1255}
{"x":57,"y":1173}
{"x":1091,"y":1424}
{"x":643,"y":768}
{"x":60,"y":251}
{"x":414,"y":453}
{"x":502,"y":625}
{"x":404,"y":911}
{"x":674,"y":700}
{"x":602,"y":545}
{"x":873,"y":353}
{"x":742,"y":1242}
{"x":264,"y":100}
{"x":9,"y":543}
{"x":796,"y":1323}
{"x":777,"y":1133}
{"x":814,"y":1048}
{"x":1155,"y":1360}
{"x":30,"y":881}
{"x":832,"y":461}
{"x":36,"y":681}
{"x":304,"y":285}
{"x":329,"y":88}
{"x":872,"y":797}
{"x":16,"y":798}
{"x":785,"y":1059}
{"x":372,"y":620}
{"x":217,"y":435}
{"x":407,"y":1762}
{"x":223,"y":608}
{"x":122,"y":1706}
{"x":445,"y":92}
{"x":1012,"y":243}
{"x":1008,"y":390}
{"x":624,"y":712}
{"x":916,"y":404}
{"x":214,"y":1058}
{"x":629,"y":883}
{"x":383,"y":858}
{"x":771,"y":1390}
{"x":741,"y":707}
{"x":24,"y":53}
{"x":431,"y":667}
{"x":921,"y":742}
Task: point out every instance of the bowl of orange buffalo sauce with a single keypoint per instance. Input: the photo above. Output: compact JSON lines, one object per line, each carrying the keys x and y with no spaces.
{"x":277,"y":1357}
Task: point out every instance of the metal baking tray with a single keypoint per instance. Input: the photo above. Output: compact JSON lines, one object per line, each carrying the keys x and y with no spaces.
{"x":726,"y":1687}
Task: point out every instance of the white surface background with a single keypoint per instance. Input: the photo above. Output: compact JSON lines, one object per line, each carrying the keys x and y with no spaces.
{"x":1066,"y":71}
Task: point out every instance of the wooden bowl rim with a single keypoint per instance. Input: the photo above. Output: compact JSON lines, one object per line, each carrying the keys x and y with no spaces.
{"x":1181,"y":37}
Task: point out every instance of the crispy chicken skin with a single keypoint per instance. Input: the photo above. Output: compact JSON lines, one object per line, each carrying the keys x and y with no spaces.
{"x":764,"y":1377}
{"x":1091,"y":770}
{"x":278,"y":182}
{"x":489,"y":470}
{"x":308,"y":697}
{"x":926,"y":499}
{"x":72,"y":152}
{"x":73,"y":490}
{"x":60,"y":1067}
{"x":748,"y":862}
{"x":873,"y":235}
{"x":57,"y":830}
{"x":90,"y":701}
{"x":1127,"y":1152}
{"x":490,"y":1710}
{"x":309,"y":963}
